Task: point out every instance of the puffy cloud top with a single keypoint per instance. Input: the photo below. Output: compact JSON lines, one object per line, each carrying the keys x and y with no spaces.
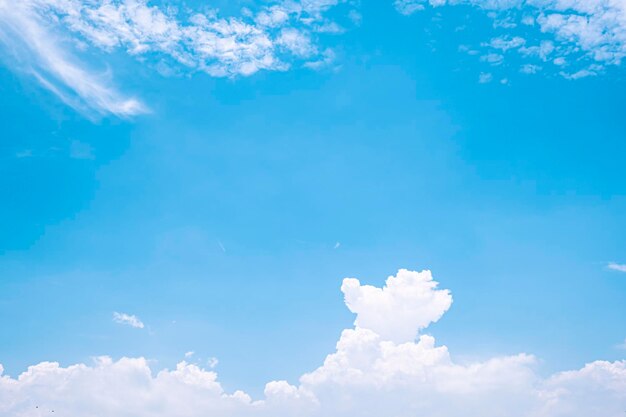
{"x":408,"y":303}
{"x":376,"y":370}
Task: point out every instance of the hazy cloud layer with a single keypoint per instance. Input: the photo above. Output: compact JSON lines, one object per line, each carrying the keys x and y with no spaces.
{"x":369,"y":375}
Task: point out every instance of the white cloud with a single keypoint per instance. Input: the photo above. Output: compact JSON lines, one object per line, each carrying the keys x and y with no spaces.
{"x":407,"y":7}
{"x":32,"y":47}
{"x":376,"y":370}
{"x":591,"y":31}
{"x":407,"y":303}
{"x":273,"y":17}
{"x":504,"y":43}
{"x":577,"y":74}
{"x":325,"y":60}
{"x":213,"y":362}
{"x":616,"y":267}
{"x":530,"y":69}
{"x":45,"y":39}
{"x":296,"y":41}
{"x":485,"y":77}
{"x":492,"y":58}
{"x":543,"y":50}
{"x":128,"y":320}
{"x":41,"y":34}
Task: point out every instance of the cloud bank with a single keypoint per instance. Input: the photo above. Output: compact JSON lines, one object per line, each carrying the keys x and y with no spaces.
{"x":377,"y":370}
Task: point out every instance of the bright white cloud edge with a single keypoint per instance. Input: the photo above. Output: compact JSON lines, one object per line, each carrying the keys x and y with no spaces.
{"x":369,"y":375}
{"x":128,"y":320}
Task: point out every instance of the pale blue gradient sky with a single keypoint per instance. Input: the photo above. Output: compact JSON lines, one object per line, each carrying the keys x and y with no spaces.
{"x":215,"y":217}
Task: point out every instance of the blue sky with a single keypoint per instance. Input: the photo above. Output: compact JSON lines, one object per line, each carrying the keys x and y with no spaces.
{"x":222,"y":210}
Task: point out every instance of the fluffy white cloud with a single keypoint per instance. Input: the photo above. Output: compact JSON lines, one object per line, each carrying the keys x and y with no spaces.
{"x":128,"y":320}
{"x":42,"y":33}
{"x":597,"y":389}
{"x":592,"y":30}
{"x":370,"y":375}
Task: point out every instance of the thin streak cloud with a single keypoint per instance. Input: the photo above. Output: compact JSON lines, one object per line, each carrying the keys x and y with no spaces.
{"x":32,"y":47}
{"x":617,"y":267}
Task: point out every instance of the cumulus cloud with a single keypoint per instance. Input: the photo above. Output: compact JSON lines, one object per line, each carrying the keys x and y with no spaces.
{"x":592,"y":32}
{"x":376,"y":370}
{"x":48,"y":35}
{"x":408,"y":302}
{"x":616,"y":267}
{"x":505,"y":43}
{"x":128,"y":320}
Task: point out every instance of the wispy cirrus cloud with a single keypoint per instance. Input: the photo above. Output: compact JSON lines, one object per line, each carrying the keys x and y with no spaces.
{"x":33,"y":47}
{"x":43,"y":34}
{"x":616,"y":267}
{"x":383,"y":366}
{"x":128,"y":320}
{"x":48,"y":38}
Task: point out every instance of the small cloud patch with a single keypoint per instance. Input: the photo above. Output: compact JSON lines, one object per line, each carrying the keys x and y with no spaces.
{"x":616,"y":267}
{"x":128,"y":320}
